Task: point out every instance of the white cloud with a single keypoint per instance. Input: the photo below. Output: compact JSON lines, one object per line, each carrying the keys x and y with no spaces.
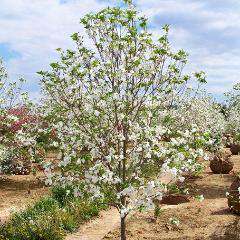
{"x":153,"y":7}
{"x":35,"y":28}
{"x":208,"y":30}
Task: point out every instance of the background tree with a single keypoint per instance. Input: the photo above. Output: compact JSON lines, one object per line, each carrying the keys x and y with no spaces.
{"x":15,"y":121}
{"x":233,"y":113}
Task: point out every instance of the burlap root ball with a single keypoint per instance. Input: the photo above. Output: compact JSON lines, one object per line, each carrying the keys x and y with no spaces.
{"x":235,"y":149}
{"x":221,"y":164}
{"x":234,"y":195}
{"x":174,"y":199}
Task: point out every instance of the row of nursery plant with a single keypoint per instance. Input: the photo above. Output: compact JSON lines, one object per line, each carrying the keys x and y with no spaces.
{"x":121,"y":115}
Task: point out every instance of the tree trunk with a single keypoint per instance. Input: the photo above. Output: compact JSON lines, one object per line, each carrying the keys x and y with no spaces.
{"x":123,"y":229}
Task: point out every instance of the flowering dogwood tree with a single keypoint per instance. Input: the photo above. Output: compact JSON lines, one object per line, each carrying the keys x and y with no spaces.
{"x":199,"y":111}
{"x":14,"y":121}
{"x":233,"y":114}
{"x":108,"y":104}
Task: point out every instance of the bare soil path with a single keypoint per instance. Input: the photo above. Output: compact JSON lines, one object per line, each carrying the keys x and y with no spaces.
{"x":96,"y":229}
{"x":16,"y":192}
{"x":19,"y":191}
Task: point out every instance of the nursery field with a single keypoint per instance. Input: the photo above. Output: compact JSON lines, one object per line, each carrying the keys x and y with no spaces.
{"x":122,"y":143}
{"x":209,"y":219}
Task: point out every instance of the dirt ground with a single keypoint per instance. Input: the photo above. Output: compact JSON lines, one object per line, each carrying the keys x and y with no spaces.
{"x":19,"y":191}
{"x":209,"y":219}
{"x":16,"y":192}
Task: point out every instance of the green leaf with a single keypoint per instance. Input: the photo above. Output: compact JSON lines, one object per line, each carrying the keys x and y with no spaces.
{"x":54,"y":65}
{"x":75,"y":36}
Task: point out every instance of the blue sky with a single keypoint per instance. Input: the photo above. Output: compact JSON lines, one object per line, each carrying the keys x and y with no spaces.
{"x":209,"y":30}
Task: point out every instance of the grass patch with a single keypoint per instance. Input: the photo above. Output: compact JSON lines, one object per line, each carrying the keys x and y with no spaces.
{"x":51,"y":218}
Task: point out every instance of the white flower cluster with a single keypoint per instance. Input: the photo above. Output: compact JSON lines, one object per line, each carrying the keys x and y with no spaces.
{"x":198,"y":111}
{"x":14,"y":125}
{"x":233,"y":113}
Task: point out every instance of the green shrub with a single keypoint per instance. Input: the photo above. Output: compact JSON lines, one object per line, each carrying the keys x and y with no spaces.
{"x":51,"y":218}
{"x":44,"y":228}
{"x":85,"y":210}
{"x":63,"y":194}
{"x":42,"y":221}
